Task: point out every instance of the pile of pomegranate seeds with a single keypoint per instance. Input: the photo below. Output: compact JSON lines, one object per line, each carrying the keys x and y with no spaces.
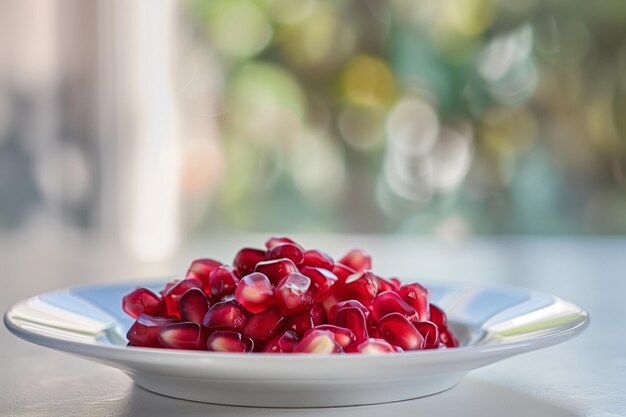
{"x":287,"y":299}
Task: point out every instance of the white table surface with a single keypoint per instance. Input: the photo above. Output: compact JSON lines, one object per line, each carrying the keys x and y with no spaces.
{"x":585,"y":376}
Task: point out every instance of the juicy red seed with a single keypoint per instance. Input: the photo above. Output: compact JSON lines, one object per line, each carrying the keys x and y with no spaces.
{"x":322,"y":279}
{"x":374,"y":346}
{"x":222,"y":281}
{"x":317,"y":259}
{"x":246,"y":260}
{"x":352,"y":318}
{"x":301,"y":323}
{"x":142,"y":300}
{"x":283,"y":343}
{"x":226,"y":315}
{"x":398,"y":331}
{"x":357,"y":260}
{"x":276,"y":269}
{"x":447,"y":338}
{"x":277,"y":241}
{"x":362,"y":286}
{"x":342,"y":272}
{"x":201,"y":268}
{"x":318,"y":314}
{"x":294,"y":294}
{"x":224,"y":341}
{"x":347,"y":303}
{"x":416,"y":296}
{"x":372,"y":331}
{"x":185,"y":335}
{"x":438,"y":317}
{"x":193,"y":305}
{"x":342,"y":335}
{"x":145,"y":331}
{"x":173,"y":294}
{"x":396,"y":283}
{"x":263,"y":326}
{"x":286,"y":251}
{"x":429,"y":332}
{"x":389,"y":302}
{"x":255,"y":292}
{"x":318,"y":341}
{"x":385,"y":285}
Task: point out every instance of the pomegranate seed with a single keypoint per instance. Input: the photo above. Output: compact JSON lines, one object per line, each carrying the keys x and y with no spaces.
{"x":362,"y":286}
{"x":225,"y":315}
{"x":318,"y":314}
{"x":322,"y":279}
{"x":319,"y":342}
{"x":222,"y":281}
{"x":142,"y":300}
{"x":317,"y":259}
{"x":294,"y":294}
{"x":173,"y":294}
{"x":429,"y":332}
{"x":276,"y":269}
{"x":447,"y":338}
{"x":417,"y":297}
{"x":168,"y":286}
{"x":389,"y":302}
{"x":396,"y":283}
{"x":342,"y":335}
{"x":329,"y":303}
{"x":286,"y":251}
{"x":246,"y":260}
{"x":255,"y":292}
{"x":342,"y":272}
{"x":263,"y":326}
{"x":187,"y":335}
{"x":272,"y":242}
{"x":352,"y":318}
{"x":283,"y":343}
{"x":357,"y":260}
{"x":373,"y":346}
{"x":398,"y":331}
{"x":193,"y":305}
{"x":301,"y":323}
{"x":347,"y":303}
{"x":385,"y":285}
{"x":201,"y":268}
{"x":224,"y":341}
{"x":438,"y":317}
{"x":145,"y":331}
{"x":372,"y":331}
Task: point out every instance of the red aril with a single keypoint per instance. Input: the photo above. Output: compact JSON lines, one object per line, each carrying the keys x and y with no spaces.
{"x":294,"y":294}
{"x":142,"y":300}
{"x":374,"y":346}
{"x":246,"y":259}
{"x":396,"y":283}
{"x":438,"y":317}
{"x":193,"y":305}
{"x":398,"y":331}
{"x":318,"y":314}
{"x":342,"y":272}
{"x":286,"y":251}
{"x":317,"y":259}
{"x":263,"y":326}
{"x":276,"y":269}
{"x":319,"y":342}
{"x":343,"y":336}
{"x":145,"y":331}
{"x":225,"y":315}
{"x":283,"y":343}
{"x":347,"y":303}
{"x":385,"y":285}
{"x":357,"y":260}
{"x":277,"y":241}
{"x":187,"y":335}
{"x":201,"y":268}
{"x":323,"y":281}
{"x":362,"y":286}
{"x":352,"y":318}
{"x":300,"y":323}
{"x":416,"y":296}
{"x":173,"y":294}
{"x":222,"y":281}
{"x":429,"y":332}
{"x":447,"y":338}
{"x":389,"y":302}
{"x":225,"y":341}
{"x":255,"y":292}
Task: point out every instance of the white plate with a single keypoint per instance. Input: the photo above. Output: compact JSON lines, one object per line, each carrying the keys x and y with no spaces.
{"x":492,"y":322}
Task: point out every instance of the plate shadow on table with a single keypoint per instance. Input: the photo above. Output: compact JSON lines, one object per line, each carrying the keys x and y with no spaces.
{"x":472,"y":397}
